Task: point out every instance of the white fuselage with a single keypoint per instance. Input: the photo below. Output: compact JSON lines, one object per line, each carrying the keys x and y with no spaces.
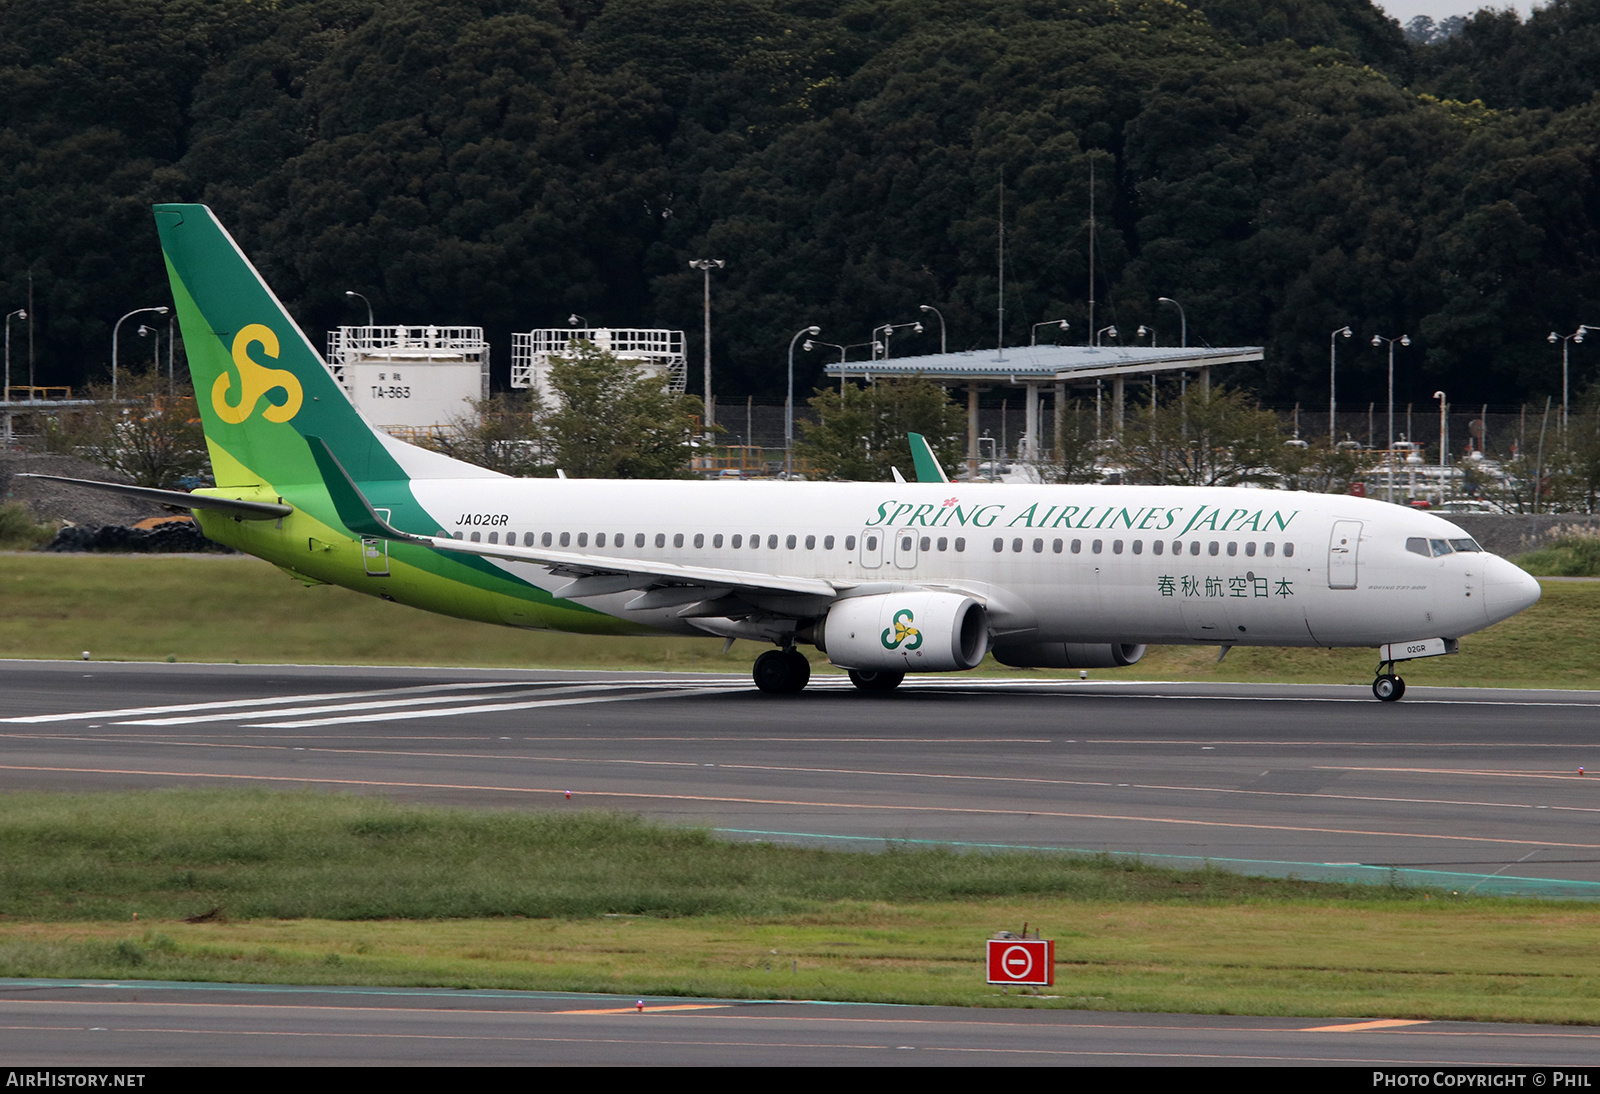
{"x":1081,"y":564}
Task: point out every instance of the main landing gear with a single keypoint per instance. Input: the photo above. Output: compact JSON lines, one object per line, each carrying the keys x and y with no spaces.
{"x":866,"y":680}
{"x":781,"y":672}
{"x":1388,"y":687}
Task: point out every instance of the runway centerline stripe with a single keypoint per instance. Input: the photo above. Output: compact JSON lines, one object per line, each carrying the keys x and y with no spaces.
{"x":864,"y":806}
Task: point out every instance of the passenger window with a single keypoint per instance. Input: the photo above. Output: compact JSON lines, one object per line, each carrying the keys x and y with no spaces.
{"x":494,"y":537}
{"x":1268,"y":549}
{"x":600,"y":540}
{"x":661,"y":539}
{"x":1288,"y":550}
{"x":1157,"y":547}
{"x":1016,"y":545}
{"x":999,"y":545}
{"x":1250,"y":549}
{"x":716,"y":540}
{"x":772,"y":543}
{"x":961,"y":543}
{"x":583,"y":539}
{"x":1194,"y":546}
{"x":1056,"y":546}
{"x":1233,"y":550}
{"x":1116,"y":546}
{"x":738,"y":541}
{"x":1138,"y":546}
{"x":477,"y":537}
{"x":811,"y":543}
{"x":546,"y":539}
{"x":566,"y":539}
{"x":1038,"y":546}
{"x":925,"y":544}
{"x":944,"y":543}
{"x":849,"y":543}
{"x":1077,"y":546}
{"x":638,"y":539}
{"x":790,"y":542}
{"x":1418,"y":545}
{"x":458,"y":535}
{"x":1095,"y":546}
{"x":1215,"y":547}
{"x":677,"y":540}
{"x":699,"y":540}
{"x":827,"y":543}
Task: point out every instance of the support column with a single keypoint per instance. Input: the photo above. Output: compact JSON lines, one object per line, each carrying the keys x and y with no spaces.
{"x":972,"y":431}
{"x":1060,"y":409}
{"x":1205,"y":383}
{"x":1030,"y":422}
{"x":1118,"y":407}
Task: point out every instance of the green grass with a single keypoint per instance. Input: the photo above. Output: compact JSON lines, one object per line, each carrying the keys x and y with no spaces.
{"x":311,"y":888}
{"x":235,"y":608}
{"x":19,"y":531}
{"x":1569,"y":556}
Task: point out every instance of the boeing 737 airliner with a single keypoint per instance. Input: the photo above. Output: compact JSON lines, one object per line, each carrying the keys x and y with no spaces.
{"x":884,"y":578}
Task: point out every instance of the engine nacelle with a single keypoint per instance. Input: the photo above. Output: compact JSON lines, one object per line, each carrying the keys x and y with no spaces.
{"x":1069,"y":655}
{"x":906,"y":632}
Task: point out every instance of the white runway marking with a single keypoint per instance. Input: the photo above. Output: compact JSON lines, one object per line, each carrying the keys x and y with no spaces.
{"x":231,"y":704}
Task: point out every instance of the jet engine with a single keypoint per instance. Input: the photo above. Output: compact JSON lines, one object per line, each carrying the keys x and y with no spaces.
{"x":905,"y":632}
{"x":1069,"y":655}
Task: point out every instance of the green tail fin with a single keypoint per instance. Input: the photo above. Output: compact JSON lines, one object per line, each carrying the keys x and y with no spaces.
{"x":924,"y":461}
{"x":259,"y":384}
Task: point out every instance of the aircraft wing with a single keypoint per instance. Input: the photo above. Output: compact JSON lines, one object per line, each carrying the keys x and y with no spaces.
{"x":593,"y":575}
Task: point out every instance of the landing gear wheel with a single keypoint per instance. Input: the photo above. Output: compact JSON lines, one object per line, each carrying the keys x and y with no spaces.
{"x":1388,"y":688}
{"x":876,"y":681}
{"x":781,"y":672}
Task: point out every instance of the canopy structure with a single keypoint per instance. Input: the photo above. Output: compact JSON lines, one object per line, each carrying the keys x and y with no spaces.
{"x":1033,"y":368}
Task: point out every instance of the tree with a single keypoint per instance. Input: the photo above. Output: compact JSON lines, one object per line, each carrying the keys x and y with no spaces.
{"x":1078,"y":452}
{"x":861,"y":432}
{"x":611,"y":421}
{"x":1219,"y":438}
{"x":149,"y":436}
{"x":504,"y":433}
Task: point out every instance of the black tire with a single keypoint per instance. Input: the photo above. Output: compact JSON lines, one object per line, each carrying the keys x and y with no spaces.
{"x":867,"y":680}
{"x":1388,"y":689}
{"x":781,"y":672}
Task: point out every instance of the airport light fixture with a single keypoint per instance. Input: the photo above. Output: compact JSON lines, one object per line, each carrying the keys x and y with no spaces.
{"x":882,"y":334}
{"x":351,"y":294}
{"x":1148,"y":332}
{"x":20,"y":313}
{"x":1378,"y":340}
{"x":1111,"y":330}
{"x":937,"y":312}
{"x":1333,"y":390}
{"x":1564,"y":339}
{"x":1183,"y":320}
{"x":1033,"y":335}
{"x":788,"y":406}
{"x":705,"y":266}
{"x":116,"y":330}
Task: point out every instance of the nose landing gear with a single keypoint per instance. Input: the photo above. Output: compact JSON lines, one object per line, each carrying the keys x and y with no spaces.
{"x":1388,"y":688}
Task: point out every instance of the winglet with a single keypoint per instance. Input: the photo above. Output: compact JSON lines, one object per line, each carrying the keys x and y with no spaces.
{"x":352,"y":505}
{"x":924,"y":461}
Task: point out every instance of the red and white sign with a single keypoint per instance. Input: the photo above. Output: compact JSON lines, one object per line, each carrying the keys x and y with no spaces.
{"x":1022,"y":961}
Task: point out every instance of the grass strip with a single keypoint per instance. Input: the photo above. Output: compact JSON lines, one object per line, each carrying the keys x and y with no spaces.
{"x":313,"y":888}
{"x":234,"y":608}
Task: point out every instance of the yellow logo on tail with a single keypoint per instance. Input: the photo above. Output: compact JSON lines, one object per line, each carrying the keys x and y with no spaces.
{"x":256,"y":380}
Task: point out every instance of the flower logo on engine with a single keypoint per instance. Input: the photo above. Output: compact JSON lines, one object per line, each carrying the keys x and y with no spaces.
{"x":902,"y":632}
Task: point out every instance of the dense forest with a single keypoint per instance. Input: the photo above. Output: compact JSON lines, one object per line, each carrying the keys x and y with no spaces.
{"x":1281,"y":167}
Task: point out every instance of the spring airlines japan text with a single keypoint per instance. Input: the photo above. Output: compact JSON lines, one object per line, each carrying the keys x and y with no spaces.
{"x":1178,"y":519}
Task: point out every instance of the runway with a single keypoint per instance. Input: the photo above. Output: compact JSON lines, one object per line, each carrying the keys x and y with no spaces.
{"x":125,"y":1027}
{"x":1464,"y":788}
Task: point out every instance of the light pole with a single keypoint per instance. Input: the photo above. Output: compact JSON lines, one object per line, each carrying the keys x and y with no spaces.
{"x":1444,"y":441}
{"x":1378,"y":340}
{"x":352,"y":294}
{"x":20,"y":313}
{"x":705,"y":266}
{"x":1333,"y":390}
{"x":117,"y":330}
{"x":888,"y":330}
{"x":940,"y":314}
{"x":1183,"y":320}
{"x":1033,"y":335}
{"x":1553,"y":337}
{"x":1148,"y":332}
{"x":788,"y":405}
{"x":1111,"y":330}
{"x":155,"y":349}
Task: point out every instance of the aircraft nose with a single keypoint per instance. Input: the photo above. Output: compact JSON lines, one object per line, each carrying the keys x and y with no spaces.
{"x":1507,"y":589}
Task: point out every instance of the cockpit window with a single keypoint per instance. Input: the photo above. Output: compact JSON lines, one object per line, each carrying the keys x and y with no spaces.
{"x":1418,"y":546}
{"x":1440,"y":547}
{"x":1465,"y":545}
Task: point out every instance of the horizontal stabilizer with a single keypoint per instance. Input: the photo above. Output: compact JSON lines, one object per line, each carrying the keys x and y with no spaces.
{"x":235,"y":507}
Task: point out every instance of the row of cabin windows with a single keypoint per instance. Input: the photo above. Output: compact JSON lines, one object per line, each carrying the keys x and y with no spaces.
{"x":736,"y":541}
{"x":1157,"y":547}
